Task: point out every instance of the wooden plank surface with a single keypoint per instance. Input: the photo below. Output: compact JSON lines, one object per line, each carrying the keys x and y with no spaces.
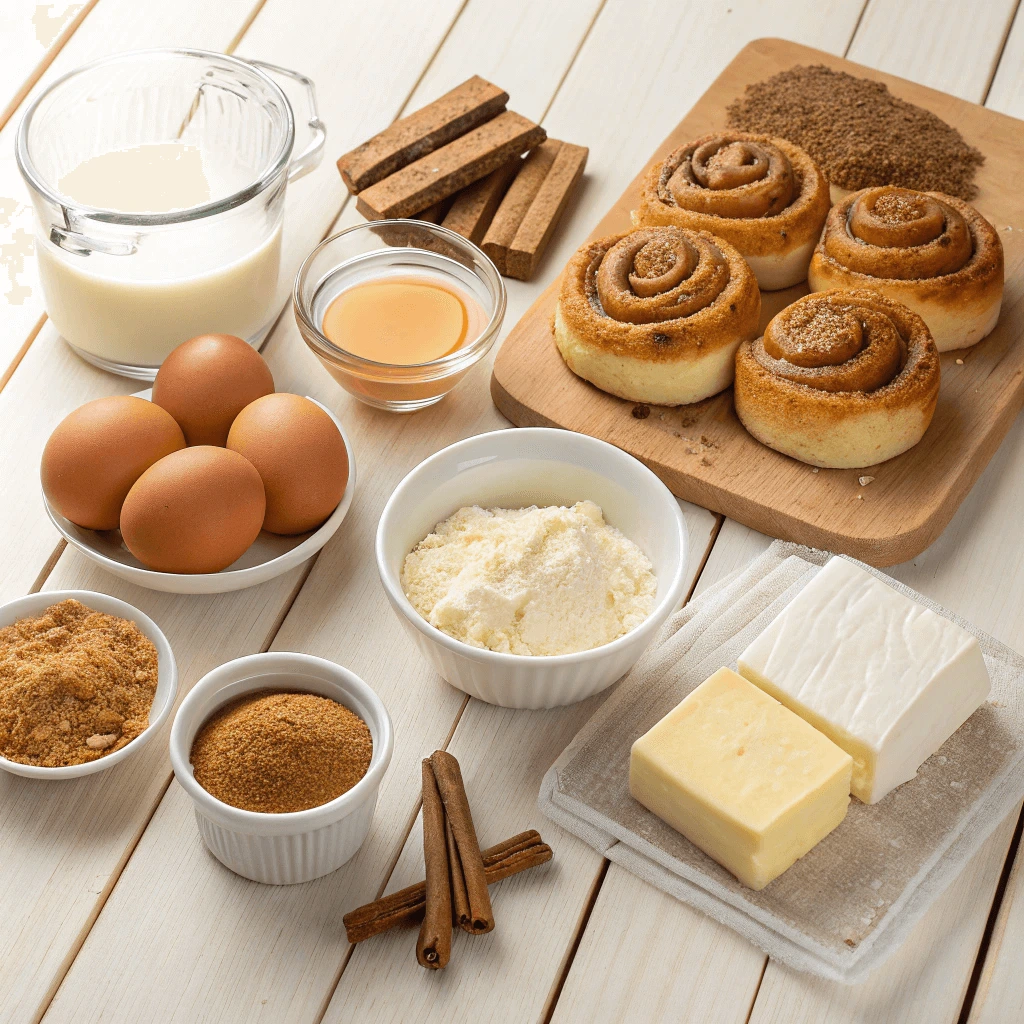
{"x":44,"y":876}
{"x":969,"y":569}
{"x":704,"y":453}
{"x":343,"y":615}
{"x":227,"y":949}
{"x":31,"y":35}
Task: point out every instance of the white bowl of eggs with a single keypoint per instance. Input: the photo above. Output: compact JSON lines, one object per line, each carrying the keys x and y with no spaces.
{"x":211,"y":482}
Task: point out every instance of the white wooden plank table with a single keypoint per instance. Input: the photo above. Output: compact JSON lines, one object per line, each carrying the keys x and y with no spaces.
{"x":111,"y":908}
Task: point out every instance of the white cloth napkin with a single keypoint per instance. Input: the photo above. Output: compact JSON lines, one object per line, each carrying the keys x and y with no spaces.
{"x":850,"y":902}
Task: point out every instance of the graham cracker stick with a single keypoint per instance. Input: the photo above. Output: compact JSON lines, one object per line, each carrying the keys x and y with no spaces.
{"x":406,"y":906}
{"x":537,"y":227}
{"x":473,"y":209}
{"x":516,"y":204}
{"x":436,"y":213}
{"x":434,"y":945}
{"x":456,"y":806}
{"x":450,"y":168}
{"x":448,"y":117}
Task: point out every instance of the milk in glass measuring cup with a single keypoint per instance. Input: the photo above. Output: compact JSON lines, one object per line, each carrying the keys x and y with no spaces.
{"x":158,"y":179}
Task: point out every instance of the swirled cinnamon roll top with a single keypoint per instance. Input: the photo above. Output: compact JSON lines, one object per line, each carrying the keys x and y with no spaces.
{"x":659,"y":293}
{"x":931,"y":252}
{"x":847,"y":342}
{"x":765,"y":196}
{"x":901,"y":234}
{"x":729,"y":174}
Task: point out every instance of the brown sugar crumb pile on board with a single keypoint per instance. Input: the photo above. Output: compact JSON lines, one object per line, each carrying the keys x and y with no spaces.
{"x":75,"y":685}
{"x":858,"y":132}
{"x":281,"y":752}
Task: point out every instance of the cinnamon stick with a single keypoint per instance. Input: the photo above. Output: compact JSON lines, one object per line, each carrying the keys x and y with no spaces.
{"x":452,"y":167}
{"x":451,"y":115}
{"x":456,"y":806}
{"x":460,"y":898}
{"x":406,"y":906}
{"x":434,"y":945}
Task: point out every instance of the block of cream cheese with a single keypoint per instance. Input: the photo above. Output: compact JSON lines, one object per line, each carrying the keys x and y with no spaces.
{"x":885,"y":678}
{"x":742,"y":777}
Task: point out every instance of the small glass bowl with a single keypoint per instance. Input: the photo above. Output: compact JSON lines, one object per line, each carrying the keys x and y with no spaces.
{"x":415,"y":246}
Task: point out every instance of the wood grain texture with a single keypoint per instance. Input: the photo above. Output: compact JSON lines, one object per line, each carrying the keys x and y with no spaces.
{"x":647,"y":957}
{"x":181,"y":938}
{"x":225,"y":947}
{"x":31,"y":35}
{"x":111,"y":26}
{"x":1000,"y":994}
{"x":953,"y":46}
{"x":703,"y":452}
{"x":1006,"y":93}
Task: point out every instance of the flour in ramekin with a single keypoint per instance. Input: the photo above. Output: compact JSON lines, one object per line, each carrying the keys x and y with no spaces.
{"x":533,"y":581}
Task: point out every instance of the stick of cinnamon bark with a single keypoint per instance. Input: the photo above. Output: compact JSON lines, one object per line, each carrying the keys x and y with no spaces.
{"x":434,"y":945}
{"x":450,"y":168}
{"x":473,"y":209}
{"x":456,"y":805}
{"x":537,"y":227}
{"x":406,"y":906}
{"x":516,"y":203}
{"x":451,"y":115}
{"x":460,"y":898}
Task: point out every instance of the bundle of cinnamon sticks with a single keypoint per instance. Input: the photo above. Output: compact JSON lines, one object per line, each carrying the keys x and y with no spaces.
{"x":459,"y":162}
{"x":454,"y":893}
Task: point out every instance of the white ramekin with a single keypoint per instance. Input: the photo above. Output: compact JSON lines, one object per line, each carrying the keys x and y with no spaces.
{"x":166,"y":684}
{"x":282,"y":849}
{"x":515,"y":469}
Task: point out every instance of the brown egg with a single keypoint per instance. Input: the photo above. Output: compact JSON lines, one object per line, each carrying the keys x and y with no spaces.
{"x":196,"y":510}
{"x":301,"y":456}
{"x":207,"y":381}
{"x":97,"y":452}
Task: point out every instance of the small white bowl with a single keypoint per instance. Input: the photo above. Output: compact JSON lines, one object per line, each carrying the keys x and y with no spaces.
{"x":166,"y":683}
{"x":282,"y":849}
{"x":269,"y":555}
{"x":516,"y":469}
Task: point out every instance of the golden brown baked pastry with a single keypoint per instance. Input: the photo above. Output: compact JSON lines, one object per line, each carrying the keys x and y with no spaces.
{"x":655,"y":315}
{"x":765,"y":196}
{"x":934,"y":253}
{"x":842,"y":379}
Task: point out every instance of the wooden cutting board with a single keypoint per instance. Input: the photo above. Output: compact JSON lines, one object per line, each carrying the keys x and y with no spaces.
{"x":703,"y":453}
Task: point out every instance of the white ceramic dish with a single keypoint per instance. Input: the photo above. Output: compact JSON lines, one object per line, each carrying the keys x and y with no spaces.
{"x":270,"y":554}
{"x":515,"y":469}
{"x":281,"y":849}
{"x":166,"y":686}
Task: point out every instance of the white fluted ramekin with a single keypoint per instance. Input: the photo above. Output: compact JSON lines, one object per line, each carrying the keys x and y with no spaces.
{"x":282,"y":849}
{"x":515,"y":469}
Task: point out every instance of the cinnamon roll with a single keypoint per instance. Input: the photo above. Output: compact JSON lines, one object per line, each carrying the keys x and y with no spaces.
{"x":765,"y":196}
{"x":841,"y":379}
{"x":656,"y":315}
{"x":934,"y":253}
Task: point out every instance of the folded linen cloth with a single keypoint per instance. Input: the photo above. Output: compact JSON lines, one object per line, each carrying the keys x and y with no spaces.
{"x":842,"y":909}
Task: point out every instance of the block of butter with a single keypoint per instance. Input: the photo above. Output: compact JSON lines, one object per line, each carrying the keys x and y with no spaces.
{"x":742,"y":777}
{"x":884,"y":677}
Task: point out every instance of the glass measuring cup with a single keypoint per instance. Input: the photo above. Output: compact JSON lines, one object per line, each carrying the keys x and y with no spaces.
{"x":124,"y":288}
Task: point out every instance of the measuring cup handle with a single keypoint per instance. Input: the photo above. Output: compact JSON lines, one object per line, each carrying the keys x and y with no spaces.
{"x":311,"y":156}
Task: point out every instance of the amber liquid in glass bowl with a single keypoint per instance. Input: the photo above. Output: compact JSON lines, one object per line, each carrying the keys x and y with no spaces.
{"x":403,"y":319}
